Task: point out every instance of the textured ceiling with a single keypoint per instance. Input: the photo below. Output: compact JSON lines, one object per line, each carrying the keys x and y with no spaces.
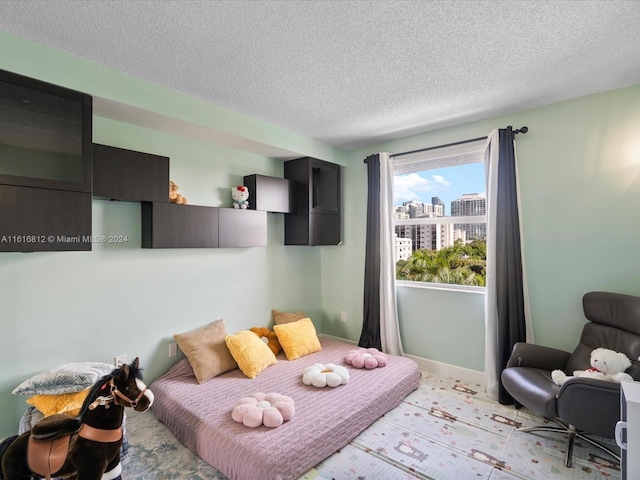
{"x":352,"y":73}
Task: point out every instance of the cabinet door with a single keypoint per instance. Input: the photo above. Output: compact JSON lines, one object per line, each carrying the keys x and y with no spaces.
{"x":311,"y":229}
{"x":317,"y":185}
{"x":45,"y":135}
{"x":324,"y":187}
{"x":41,"y":220}
{"x":242,"y":228}
{"x":270,"y":194}
{"x":324,"y":229}
{"x":129,"y":175}
{"x":316,"y":217}
{"x":167,"y":225}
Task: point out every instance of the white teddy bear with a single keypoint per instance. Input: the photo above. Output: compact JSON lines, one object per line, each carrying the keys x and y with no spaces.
{"x":606,"y":365}
{"x":240,"y":196}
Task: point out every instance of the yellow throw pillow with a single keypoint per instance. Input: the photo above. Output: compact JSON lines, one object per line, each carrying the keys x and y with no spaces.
{"x":69,"y":403}
{"x":298,"y":338}
{"x":280,"y":318}
{"x":251,"y":353}
{"x":206,"y":350}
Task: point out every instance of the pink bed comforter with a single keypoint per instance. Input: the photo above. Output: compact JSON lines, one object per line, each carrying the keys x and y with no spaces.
{"x":326,"y":419}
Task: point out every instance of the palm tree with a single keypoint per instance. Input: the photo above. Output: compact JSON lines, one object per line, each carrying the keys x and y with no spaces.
{"x":460,"y":264}
{"x":459,"y":276}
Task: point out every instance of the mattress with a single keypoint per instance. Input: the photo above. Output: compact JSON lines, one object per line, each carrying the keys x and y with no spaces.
{"x":326,"y":419}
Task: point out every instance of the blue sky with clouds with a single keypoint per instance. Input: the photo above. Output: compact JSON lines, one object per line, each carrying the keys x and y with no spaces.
{"x":447,"y":183}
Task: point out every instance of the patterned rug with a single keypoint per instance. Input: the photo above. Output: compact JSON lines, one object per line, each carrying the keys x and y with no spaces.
{"x":445,"y":430}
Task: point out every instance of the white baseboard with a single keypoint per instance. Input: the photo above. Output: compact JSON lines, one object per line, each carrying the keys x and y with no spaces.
{"x":345,"y":340}
{"x":433,"y":366}
{"x":448,"y":370}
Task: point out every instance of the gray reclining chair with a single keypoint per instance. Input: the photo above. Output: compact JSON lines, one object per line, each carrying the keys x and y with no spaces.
{"x":582,"y":405}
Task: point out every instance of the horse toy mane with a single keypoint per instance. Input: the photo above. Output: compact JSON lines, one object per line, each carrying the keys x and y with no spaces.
{"x":90,"y":442}
{"x":134,"y":372}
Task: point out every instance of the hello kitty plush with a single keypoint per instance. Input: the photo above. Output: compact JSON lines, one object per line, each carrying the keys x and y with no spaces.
{"x":606,"y":365}
{"x":240,"y":196}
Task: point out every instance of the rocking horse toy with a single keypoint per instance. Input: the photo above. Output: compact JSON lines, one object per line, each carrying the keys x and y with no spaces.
{"x":86,"y":447}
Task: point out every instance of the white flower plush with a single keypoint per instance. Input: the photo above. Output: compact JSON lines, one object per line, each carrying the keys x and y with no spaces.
{"x":320,"y":375}
{"x":270,"y":410}
{"x":606,"y":365}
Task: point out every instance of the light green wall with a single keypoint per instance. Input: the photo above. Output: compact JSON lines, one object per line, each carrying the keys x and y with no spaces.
{"x":121,"y":299}
{"x":579,"y":171}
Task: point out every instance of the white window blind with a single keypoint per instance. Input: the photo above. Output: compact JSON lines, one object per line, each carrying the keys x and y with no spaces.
{"x":462,"y":154}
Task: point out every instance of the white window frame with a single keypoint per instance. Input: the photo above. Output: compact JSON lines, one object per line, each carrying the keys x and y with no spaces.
{"x":431,"y":159}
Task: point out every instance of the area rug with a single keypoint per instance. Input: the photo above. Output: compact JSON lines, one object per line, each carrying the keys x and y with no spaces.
{"x":445,"y":430}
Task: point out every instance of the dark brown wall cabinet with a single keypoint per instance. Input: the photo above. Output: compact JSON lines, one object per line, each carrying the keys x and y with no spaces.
{"x":45,"y":166}
{"x":120,"y":174}
{"x":315,"y":220}
{"x":242,"y":228}
{"x":167,"y":225}
{"x":270,"y":194}
{"x":44,"y":220}
{"x":45,"y":135}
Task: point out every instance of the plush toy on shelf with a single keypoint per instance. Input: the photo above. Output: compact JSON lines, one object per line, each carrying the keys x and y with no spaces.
{"x":606,"y":365}
{"x":240,"y":196}
{"x":174,"y":196}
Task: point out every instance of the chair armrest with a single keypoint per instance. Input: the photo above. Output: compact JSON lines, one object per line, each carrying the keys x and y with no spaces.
{"x":537,"y":356}
{"x":590,"y":405}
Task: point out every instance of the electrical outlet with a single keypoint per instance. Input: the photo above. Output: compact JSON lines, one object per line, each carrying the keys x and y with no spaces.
{"x":173,"y":350}
{"x":343,"y":316}
{"x":119,"y":360}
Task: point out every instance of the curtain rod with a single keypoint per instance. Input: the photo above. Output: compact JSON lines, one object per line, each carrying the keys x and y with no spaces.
{"x":519,"y":130}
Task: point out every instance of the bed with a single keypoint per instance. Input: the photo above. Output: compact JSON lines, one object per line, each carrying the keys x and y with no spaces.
{"x":326,"y":419}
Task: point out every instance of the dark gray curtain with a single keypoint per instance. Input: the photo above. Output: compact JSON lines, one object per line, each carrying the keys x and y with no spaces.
{"x":509,"y":282}
{"x":370,"y":336}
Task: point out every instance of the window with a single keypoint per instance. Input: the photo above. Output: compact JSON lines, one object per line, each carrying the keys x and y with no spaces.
{"x":440,"y":215}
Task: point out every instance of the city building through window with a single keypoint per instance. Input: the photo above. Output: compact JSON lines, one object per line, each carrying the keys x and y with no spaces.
{"x":440,"y":210}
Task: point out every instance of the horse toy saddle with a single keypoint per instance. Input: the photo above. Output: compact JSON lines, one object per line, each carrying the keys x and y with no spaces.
{"x":50,"y":441}
{"x":49,"y":444}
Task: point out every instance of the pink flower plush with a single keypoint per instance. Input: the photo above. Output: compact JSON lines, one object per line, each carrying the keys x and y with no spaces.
{"x":270,"y":410}
{"x":366,"y":358}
